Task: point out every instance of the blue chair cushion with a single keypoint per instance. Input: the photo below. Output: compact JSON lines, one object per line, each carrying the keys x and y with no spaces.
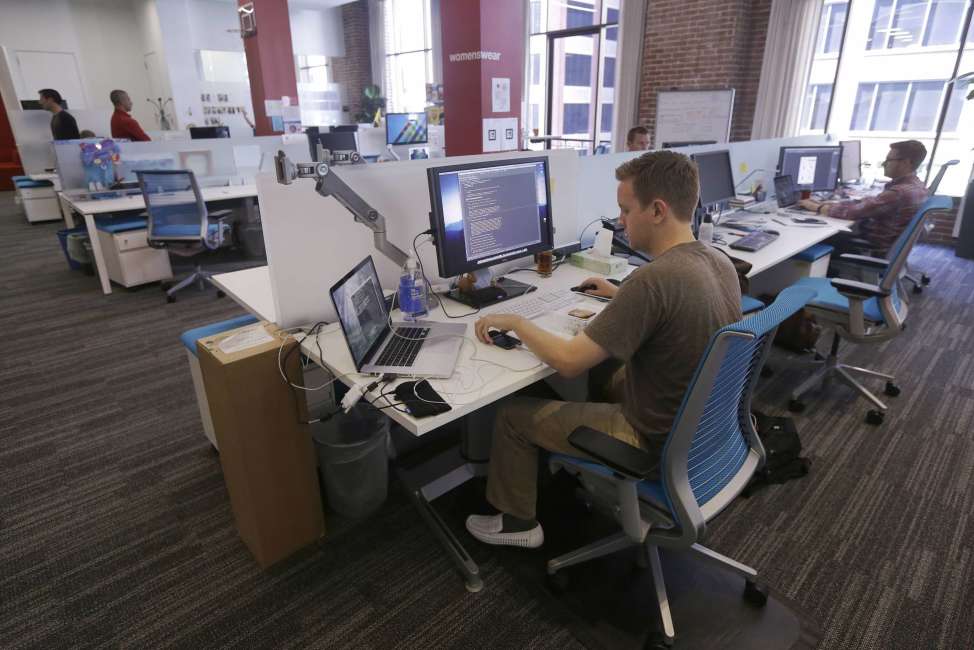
{"x":183,"y":230}
{"x":750,"y":304}
{"x":189,"y":337}
{"x":25,"y":181}
{"x":649,"y":491}
{"x":121,"y":225}
{"x":813,"y":253}
{"x":829,"y":298}
{"x":19,"y":178}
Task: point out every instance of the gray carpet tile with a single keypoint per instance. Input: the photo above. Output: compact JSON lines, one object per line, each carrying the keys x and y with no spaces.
{"x":116,"y":531}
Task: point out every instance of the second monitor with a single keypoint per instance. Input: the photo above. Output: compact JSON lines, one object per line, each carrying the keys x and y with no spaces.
{"x":406,"y":128}
{"x":813,"y":168}
{"x":716,"y":177}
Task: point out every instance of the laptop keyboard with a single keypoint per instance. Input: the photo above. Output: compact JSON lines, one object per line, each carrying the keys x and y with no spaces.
{"x":403,"y":348}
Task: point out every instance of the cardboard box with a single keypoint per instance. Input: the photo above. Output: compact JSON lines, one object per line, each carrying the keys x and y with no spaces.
{"x":266,"y":452}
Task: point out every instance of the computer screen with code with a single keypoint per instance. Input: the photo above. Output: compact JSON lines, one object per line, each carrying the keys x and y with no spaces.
{"x":487,"y":213}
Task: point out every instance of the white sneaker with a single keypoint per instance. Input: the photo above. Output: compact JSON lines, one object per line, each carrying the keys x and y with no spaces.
{"x":487,"y":528}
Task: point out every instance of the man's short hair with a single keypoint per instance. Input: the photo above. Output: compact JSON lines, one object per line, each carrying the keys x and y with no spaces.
{"x":50,"y":93}
{"x":116,"y":96}
{"x":665,"y":175}
{"x":912,"y":150}
{"x":634,"y":131}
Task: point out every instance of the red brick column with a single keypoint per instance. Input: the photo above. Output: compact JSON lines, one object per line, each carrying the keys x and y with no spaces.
{"x":270,"y":60}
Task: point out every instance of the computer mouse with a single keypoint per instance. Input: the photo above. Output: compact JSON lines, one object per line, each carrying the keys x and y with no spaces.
{"x":613,"y":281}
{"x":584,"y":287}
{"x":772,"y":232}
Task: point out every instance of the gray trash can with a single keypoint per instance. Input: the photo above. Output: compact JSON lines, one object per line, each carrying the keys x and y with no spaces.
{"x":353,"y":460}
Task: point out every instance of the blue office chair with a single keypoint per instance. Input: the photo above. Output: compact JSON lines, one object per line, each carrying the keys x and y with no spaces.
{"x":710,"y":455}
{"x":922,"y":280}
{"x":178,"y":220}
{"x":864,"y":312}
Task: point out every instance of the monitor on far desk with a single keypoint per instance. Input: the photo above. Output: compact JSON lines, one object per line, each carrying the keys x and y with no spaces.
{"x":851,"y":165}
{"x":486,"y":213}
{"x":814,"y":169}
{"x":407,"y":128}
{"x":716,"y":177}
{"x":208,"y":132}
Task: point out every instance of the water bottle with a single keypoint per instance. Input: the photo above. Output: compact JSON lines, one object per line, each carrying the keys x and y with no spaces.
{"x":706,"y":233}
{"x":412,"y":291}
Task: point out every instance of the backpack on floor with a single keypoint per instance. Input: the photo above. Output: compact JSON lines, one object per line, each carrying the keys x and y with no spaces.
{"x":782,"y":448}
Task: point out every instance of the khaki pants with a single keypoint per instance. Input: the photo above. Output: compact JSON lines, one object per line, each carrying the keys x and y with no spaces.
{"x":526,"y":423}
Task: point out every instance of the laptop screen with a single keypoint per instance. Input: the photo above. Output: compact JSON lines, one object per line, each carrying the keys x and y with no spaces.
{"x":785,"y":191}
{"x":361,"y":310}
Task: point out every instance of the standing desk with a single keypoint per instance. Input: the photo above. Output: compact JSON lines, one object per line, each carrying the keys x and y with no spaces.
{"x":88,"y":208}
{"x":251,"y":288}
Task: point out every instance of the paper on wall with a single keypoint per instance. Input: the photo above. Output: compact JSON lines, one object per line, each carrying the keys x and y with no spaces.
{"x":273,"y":107}
{"x":500,"y":94}
{"x":499,"y":134}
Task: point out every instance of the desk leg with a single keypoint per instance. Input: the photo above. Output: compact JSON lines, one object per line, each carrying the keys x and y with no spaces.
{"x":66,"y":211}
{"x":459,"y":555}
{"x":106,"y":285}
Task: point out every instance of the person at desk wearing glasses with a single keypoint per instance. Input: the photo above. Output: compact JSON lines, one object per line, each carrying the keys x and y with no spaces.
{"x":658,"y":325}
{"x":123,"y":124}
{"x":880,"y":219}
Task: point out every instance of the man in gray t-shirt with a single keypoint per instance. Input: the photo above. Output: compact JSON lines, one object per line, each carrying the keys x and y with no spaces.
{"x":658,"y":324}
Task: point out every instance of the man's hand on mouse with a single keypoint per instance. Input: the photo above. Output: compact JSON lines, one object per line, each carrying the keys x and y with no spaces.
{"x":502,"y":322}
{"x":599,"y":287}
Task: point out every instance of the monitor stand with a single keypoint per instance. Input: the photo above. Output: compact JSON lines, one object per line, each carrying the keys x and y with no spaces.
{"x":502,"y":289}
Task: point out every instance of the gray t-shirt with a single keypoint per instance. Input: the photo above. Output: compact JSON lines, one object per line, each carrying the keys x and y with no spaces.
{"x":660,"y":323}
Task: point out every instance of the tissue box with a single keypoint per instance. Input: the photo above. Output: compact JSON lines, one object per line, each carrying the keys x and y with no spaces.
{"x":599,"y":263}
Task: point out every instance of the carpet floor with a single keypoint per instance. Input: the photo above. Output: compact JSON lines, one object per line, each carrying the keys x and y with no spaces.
{"x":116,"y":530}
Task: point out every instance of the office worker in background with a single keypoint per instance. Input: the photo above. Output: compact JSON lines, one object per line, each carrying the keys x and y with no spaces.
{"x":880,"y":219}
{"x":86,"y":133}
{"x":657,"y":325}
{"x":63,"y":124}
{"x":637,"y":139}
{"x":123,"y":124}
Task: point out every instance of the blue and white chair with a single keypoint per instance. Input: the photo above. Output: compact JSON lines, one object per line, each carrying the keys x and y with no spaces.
{"x":710,"y":455}
{"x":179,"y":221}
{"x":908,"y":274}
{"x":864,"y":313}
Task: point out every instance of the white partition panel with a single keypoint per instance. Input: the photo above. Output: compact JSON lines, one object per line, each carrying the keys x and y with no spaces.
{"x":311,"y":241}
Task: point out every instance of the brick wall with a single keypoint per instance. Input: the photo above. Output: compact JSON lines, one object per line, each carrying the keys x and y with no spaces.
{"x":354,"y":70}
{"x":701,"y":44}
{"x":943,"y":227}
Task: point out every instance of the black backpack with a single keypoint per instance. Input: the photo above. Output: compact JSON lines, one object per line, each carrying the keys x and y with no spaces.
{"x":782,"y":448}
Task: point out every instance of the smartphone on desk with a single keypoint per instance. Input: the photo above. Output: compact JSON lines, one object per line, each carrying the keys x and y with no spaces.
{"x":503,"y":340}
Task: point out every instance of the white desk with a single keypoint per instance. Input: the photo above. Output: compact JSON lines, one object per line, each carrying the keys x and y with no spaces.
{"x":251,"y":288}
{"x":81,"y":202}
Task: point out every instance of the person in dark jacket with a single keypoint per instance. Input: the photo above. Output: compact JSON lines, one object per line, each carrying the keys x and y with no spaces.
{"x":63,"y":125}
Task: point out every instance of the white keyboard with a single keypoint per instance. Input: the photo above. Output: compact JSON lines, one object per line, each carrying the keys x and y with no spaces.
{"x":536,"y":304}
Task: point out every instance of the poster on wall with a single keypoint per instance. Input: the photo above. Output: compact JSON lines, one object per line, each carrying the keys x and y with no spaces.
{"x":500,"y":94}
{"x":499,"y":134}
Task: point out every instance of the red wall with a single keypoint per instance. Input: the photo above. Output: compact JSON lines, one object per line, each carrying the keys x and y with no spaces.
{"x":9,"y":159}
{"x":270,"y":60}
{"x":474,"y":26}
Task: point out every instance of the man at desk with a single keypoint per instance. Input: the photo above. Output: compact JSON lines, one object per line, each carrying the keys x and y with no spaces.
{"x":637,"y":139}
{"x":123,"y":124}
{"x":63,"y":124}
{"x":880,"y":219}
{"x":658,"y":325}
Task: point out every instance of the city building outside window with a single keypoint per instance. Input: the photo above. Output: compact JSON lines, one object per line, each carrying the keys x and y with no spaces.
{"x":409,"y":54}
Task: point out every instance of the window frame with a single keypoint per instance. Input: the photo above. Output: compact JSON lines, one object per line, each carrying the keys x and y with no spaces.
{"x":389,"y":54}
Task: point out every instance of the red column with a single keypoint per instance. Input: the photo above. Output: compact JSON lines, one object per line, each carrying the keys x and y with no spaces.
{"x":482,"y":40}
{"x":270,"y":60}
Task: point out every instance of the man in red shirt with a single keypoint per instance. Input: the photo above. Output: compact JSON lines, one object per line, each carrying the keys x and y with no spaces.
{"x":123,"y":124}
{"x":880,"y":219}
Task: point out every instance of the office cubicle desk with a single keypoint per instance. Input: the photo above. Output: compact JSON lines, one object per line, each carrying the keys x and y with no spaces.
{"x":122,"y":201}
{"x":251,"y":289}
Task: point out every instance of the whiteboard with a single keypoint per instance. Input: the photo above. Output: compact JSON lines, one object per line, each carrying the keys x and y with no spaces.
{"x":693,"y":115}
{"x":58,"y":70}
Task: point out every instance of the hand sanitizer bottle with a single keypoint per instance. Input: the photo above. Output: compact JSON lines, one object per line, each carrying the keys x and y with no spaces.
{"x":706,"y":233}
{"x":412,"y":291}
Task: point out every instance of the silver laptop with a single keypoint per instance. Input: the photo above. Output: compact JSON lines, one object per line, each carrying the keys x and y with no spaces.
{"x":417,"y":349}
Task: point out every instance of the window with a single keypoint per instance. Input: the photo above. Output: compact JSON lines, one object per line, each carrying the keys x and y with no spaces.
{"x":606,"y":125}
{"x":816,"y":107}
{"x":311,"y":69}
{"x":578,"y":69}
{"x":957,"y":98}
{"x":609,"y":73}
{"x":409,"y":54}
{"x":579,"y":14}
{"x":535,"y":69}
{"x":904,"y":106}
{"x":923,"y":106}
{"x":916,"y":23}
{"x":222,"y":67}
{"x":575,"y":119}
{"x":830,"y":29}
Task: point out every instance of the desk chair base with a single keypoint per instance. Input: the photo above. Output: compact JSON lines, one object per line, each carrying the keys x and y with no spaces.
{"x":198,"y":276}
{"x":832,"y":367}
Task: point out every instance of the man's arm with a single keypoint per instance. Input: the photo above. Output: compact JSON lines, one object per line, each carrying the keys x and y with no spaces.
{"x":873,"y":206}
{"x":136,"y":131}
{"x":570,"y":358}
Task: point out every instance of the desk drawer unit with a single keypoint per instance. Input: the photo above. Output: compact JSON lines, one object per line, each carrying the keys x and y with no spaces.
{"x":39,"y":203}
{"x":130,"y":261}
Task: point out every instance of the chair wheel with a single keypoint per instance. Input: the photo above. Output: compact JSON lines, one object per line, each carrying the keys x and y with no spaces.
{"x":220,"y":293}
{"x":917,"y":288}
{"x":658,"y":642}
{"x":165,"y":286}
{"x":796,"y":406}
{"x":557,"y":583}
{"x":924,"y":279}
{"x":875,"y":417}
{"x":755,"y":594}
{"x":891,"y":389}
{"x":767,"y":371}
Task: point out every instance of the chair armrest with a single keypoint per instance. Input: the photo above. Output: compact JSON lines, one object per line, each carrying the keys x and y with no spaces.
{"x":615,"y":454}
{"x":864,"y":260}
{"x":858,"y":290}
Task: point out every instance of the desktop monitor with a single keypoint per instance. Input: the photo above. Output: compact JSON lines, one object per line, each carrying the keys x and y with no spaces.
{"x":716,"y":177}
{"x":485,"y":213}
{"x":851,"y":166}
{"x":406,"y":128}
{"x":686,"y":143}
{"x":208,"y":132}
{"x":813,"y":168}
{"x":338,"y":141}
{"x":343,"y":127}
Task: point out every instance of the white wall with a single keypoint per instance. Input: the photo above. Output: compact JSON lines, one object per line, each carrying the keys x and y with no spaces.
{"x":152,"y":53}
{"x":317,"y":31}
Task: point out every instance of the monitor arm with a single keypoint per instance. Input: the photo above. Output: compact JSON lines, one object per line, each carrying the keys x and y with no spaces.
{"x":329,"y":184}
